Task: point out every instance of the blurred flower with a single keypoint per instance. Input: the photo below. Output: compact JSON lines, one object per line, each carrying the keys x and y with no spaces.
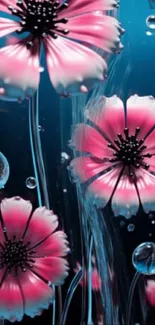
{"x":67,"y":30}
{"x":118,"y":154}
{"x":30,"y":258}
{"x":150,"y":292}
{"x":96,"y":281}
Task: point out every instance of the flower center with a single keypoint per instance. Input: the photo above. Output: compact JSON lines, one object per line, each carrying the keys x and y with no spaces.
{"x":15,"y":253}
{"x":40,"y":18}
{"x":129,"y":150}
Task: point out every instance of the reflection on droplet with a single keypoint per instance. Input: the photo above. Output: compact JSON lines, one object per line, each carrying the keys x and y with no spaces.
{"x":31,"y":183}
{"x":64,"y":157}
{"x":131,"y":227}
{"x":148,"y":33}
{"x":143,"y":258}
{"x":150,"y":21}
{"x":4,"y":170}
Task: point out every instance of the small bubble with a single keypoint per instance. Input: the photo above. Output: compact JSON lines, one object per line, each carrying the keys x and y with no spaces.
{"x":40,"y":128}
{"x":150,"y":235}
{"x":150,"y":21}
{"x":131,"y":227}
{"x":31,"y":183}
{"x":153,"y":222}
{"x":64,"y":157}
{"x":148,"y":33}
{"x":65,"y":190}
{"x":122,"y":224}
{"x":151,"y":215}
{"x":143,"y":258}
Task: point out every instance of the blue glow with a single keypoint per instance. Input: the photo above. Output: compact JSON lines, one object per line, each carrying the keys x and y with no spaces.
{"x":4,"y":170}
{"x":143,"y":258}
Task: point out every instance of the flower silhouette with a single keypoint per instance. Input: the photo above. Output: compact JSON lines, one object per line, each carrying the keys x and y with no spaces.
{"x":31,"y":258}
{"x":67,"y":30}
{"x":118,"y":154}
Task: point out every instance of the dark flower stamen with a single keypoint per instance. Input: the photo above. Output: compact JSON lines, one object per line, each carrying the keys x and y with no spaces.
{"x":16,"y":254}
{"x":40,"y":19}
{"x":129,"y":150}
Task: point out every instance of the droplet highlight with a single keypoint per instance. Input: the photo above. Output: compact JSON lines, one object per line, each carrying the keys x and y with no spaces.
{"x":150,"y":21}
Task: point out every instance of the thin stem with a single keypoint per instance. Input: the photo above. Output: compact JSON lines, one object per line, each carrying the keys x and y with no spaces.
{"x":89,"y":320}
{"x":38,"y":162}
{"x":130,"y":297}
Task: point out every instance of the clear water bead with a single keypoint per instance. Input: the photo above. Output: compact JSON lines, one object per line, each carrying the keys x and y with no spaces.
{"x":4,"y":170}
{"x":131,"y":227}
{"x":31,"y":183}
{"x":150,"y":21}
{"x":143,"y":258}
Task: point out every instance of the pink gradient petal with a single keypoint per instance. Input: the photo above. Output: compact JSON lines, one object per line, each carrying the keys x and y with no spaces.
{"x":55,"y":245}
{"x":66,"y":63}
{"x":11,"y":302}
{"x":96,"y":29}
{"x":96,"y":281}
{"x":8,"y":26}
{"x":83,"y":168}
{"x":53,"y":269}
{"x":19,"y":71}
{"x":15,"y":213}
{"x":4,"y":4}
{"x":141,"y":113}
{"x":38,"y":295}
{"x":150,"y":161}
{"x":86,"y":139}
{"x":108,"y":115}
{"x":146,"y":185}
{"x":125,"y":200}
{"x":150,"y":292}
{"x":42,"y":224}
{"x":101,"y":189}
{"x":78,"y":7}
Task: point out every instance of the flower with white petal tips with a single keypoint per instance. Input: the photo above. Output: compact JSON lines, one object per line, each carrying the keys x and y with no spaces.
{"x":67,"y":30}
{"x":117,"y":164}
{"x":31,"y":258}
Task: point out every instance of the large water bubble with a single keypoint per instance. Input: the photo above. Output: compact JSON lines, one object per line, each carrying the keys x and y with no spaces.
{"x":4,"y":170}
{"x":31,"y":183}
{"x":150,"y":21}
{"x":143,"y":258}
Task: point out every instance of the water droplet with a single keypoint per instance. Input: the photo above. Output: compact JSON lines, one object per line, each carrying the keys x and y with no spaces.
{"x":143,"y":258}
{"x":153,"y":222}
{"x":150,"y":21}
{"x":64,"y":157}
{"x":150,"y":235}
{"x":40,"y":128}
{"x":4,"y":170}
{"x":31,"y":183}
{"x":65,"y":190}
{"x":131,"y":227}
{"x":122,"y":224}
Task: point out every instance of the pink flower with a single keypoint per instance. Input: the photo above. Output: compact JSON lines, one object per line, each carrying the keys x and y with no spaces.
{"x":67,"y":30}
{"x":96,"y":281}
{"x":31,"y":258}
{"x":150,"y":292}
{"x":118,"y":154}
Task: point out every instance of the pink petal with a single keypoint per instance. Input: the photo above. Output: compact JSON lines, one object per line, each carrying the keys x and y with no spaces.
{"x":150,"y":292}
{"x":141,"y":113}
{"x":150,"y":161}
{"x":55,"y":245}
{"x":43,"y":222}
{"x":96,"y":29}
{"x":96,"y":281}
{"x":83,"y":168}
{"x":125,"y":201}
{"x":101,"y":189}
{"x":4,"y":4}
{"x":66,"y":63}
{"x":78,"y":7}
{"x":8,"y":26}
{"x":19,"y":71}
{"x":38,"y":295}
{"x":86,"y":139}
{"x":15,"y":213}
{"x":53,"y":269}
{"x":11,"y":302}
{"x":108,"y":115}
{"x":146,"y":185}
